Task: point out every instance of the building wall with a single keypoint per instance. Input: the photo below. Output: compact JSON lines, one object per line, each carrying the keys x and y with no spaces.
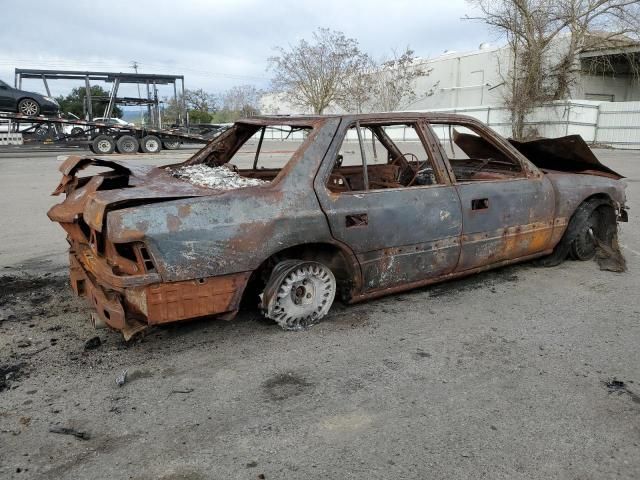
{"x":465,"y":79}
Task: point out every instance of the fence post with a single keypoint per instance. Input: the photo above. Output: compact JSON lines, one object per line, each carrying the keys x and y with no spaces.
{"x":597,"y":126}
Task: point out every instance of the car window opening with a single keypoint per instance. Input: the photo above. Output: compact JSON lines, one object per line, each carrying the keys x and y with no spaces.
{"x":245,"y":155}
{"x":381,"y":156}
{"x":473,"y":157}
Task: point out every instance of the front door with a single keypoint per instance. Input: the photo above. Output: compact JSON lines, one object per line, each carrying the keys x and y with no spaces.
{"x":402,"y":219}
{"x":507,"y":204}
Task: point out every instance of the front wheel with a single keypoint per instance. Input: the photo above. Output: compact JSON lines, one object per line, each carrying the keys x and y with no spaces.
{"x":299,"y":293}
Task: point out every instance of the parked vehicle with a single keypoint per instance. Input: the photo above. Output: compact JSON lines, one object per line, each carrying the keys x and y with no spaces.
{"x":26,"y":103}
{"x":355,"y":206}
{"x":79,"y":130}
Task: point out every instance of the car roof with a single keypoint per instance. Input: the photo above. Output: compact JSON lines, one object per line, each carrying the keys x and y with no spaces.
{"x":391,"y":116}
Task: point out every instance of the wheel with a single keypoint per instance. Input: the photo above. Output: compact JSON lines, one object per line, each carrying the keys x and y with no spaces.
{"x":127,"y":144}
{"x":28,"y":106}
{"x":76,"y":131}
{"x":171,"y":144}
{"x":150,"y":144}
{"x":595,"y":217}
{"x":299,"y":293}
{"x":103,"y":144}
{"x":596,"y":228}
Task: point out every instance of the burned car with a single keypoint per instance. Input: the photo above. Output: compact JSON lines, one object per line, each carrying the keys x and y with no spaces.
{"x":294,"y":211}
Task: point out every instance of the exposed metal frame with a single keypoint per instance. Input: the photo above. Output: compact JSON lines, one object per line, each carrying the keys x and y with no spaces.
{"x":116,"y":78}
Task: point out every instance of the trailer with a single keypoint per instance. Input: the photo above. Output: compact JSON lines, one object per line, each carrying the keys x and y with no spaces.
{"x":101,"y":138}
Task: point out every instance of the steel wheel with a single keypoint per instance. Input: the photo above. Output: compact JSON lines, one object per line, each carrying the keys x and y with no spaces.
{"x":299,"y":293}
{"x":583,"y":246}
{"x":28,"y":106}
{"x":103,"y":144}
{"x":127,"y":144}
{"x":151,"y":144}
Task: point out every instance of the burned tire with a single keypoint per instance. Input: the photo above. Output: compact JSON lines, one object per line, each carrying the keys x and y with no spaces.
{"x":298,"y":294}
{"x":594,"y":217}
{"x":103,"y":145}
{"x":151,"y":144}
{"x":171,"y":144}
{"x":28,"y":106}
{"x":127,"y":144}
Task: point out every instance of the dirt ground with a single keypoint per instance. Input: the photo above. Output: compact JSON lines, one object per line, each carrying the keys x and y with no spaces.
{"x":518,"y":373}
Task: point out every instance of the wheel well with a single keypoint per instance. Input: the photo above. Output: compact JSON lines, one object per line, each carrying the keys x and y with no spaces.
{"x":330,"y":255}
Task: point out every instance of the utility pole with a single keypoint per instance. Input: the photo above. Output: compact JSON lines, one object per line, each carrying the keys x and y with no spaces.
{"x":134,"y":65}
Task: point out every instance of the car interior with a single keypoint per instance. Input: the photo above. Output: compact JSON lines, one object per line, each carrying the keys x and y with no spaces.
{"x":472,"y":157}
{"x":395,"y":158}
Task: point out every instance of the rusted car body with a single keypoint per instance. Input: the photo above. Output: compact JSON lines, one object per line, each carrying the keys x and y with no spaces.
{"x":148,"y":247}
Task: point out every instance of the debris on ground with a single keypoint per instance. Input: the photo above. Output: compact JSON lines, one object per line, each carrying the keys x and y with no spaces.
{"x":92,"y":343}
{"x":70,"y":431}
{"x":122,"y":378}
{"x":220,"y":178}
{"x":609,"y":257}
{"x":9,"y":374}
{"x":618,"y":386}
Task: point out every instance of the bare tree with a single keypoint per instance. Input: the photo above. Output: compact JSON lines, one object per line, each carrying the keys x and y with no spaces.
{"x":243,"y":99}
{"x":386,"y":85}
{"x":393,"y":86}
{"x":542,"y":70}
{"x":312,"y":73}
{"x":200,"y":100}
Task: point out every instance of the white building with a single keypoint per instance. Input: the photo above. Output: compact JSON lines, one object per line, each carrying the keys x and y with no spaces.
{"x":476,"y":78}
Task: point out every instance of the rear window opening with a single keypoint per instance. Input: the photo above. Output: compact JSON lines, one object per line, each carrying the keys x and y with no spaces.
{"x":246,"y":155}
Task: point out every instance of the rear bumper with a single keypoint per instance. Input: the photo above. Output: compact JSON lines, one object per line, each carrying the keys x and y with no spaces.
{"x":132,"y":308}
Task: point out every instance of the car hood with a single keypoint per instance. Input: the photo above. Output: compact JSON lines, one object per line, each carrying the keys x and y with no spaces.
{"x":122,"y":185}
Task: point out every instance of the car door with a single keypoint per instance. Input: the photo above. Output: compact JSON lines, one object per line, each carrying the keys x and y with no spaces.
{"x":399,"y":235}
{"x":507,"y":204}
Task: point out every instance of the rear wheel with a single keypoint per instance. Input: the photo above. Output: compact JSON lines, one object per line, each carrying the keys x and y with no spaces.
{"x":127,"y":144}
{"x":77,"y":131}
{"x":28,"y":106}
{"x":103,"y":145}
{"x":151,"y":144}
{"x":299,"y":293}
{"x":171,"y":144}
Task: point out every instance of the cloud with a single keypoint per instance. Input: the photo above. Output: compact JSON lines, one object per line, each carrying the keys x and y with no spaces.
{"x":218,"y":44}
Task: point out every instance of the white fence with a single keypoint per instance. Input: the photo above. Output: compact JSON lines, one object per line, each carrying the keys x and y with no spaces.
{"x":609,"y":123}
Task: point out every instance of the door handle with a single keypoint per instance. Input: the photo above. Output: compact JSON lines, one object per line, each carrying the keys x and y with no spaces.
{"x":356,"y":220}
{"x":479,"y":204}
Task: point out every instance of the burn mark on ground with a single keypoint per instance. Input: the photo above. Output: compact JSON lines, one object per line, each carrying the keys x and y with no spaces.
{"x":488,"y":281}
{"x":621,"y":388}
{"x":37,"y":290}
{"x":286,"y":385}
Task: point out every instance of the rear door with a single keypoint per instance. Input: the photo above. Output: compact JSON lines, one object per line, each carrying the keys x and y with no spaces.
{"x":7,"y":97}
{"x":401,"y":231}
{"x":507,"y":204}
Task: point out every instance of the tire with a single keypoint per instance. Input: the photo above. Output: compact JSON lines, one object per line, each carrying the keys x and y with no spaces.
{"x":28,"y":106}
{"x":151,"y":144}
{"x":103,"y":145}
{"x":298,"y":294}
{"x":574,"y":243}
{"x":597,"y":225}
{"x":77,"y":131}
{"x":127,"y":144}
{"x":171,"y":144}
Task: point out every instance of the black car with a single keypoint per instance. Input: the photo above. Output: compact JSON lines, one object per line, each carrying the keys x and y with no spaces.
{"x":26,"y":103}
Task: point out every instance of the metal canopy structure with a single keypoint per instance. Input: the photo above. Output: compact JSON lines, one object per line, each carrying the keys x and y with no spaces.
{"x":151,"y":81}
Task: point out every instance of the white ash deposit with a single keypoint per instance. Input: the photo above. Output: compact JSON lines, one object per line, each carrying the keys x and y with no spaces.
{"x":220,"y":178}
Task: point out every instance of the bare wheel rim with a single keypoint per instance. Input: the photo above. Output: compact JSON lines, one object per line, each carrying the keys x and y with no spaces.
{"x":28,"y":107}
{"x":104,"y":146}
{"x":303,"y":297}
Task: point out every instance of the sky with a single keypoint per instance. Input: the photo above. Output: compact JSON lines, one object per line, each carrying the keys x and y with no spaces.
{"x":215,"y":44}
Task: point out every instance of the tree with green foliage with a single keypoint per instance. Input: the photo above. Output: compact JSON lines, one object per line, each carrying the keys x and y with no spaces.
{"x":74,"y":102}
